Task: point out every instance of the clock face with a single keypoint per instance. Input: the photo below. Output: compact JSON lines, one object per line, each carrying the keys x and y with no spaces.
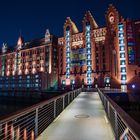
{"x":111,"y":18}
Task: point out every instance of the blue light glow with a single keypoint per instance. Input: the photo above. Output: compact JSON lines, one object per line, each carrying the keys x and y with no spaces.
{"x":122,"y":53}
{"x":68,"y":54}
{"x":133,"y":86}
{"x":88,"y":46}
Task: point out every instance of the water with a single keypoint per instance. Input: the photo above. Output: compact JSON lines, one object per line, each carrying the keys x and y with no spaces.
{"x":11,"y":102}
{"x":129,"y":102}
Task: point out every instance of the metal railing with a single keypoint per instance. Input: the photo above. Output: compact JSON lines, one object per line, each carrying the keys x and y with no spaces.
{"x":122,"y":124}
{"x":29,"y":123}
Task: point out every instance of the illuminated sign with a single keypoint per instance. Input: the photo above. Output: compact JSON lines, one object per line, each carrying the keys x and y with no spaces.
{"x":130,"y":43}
{"x":78,"y":57}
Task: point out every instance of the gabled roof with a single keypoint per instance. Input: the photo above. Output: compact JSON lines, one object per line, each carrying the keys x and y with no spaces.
{"x":73,"y":25}
{"x":88,"y":16}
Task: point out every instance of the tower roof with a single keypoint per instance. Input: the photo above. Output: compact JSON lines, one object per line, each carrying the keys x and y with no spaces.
{"x":20,"y":41}
{"x":73,"y":26}
{"x":88,"y":16}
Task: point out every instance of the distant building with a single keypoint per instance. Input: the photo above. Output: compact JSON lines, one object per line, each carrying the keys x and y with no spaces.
{"x":31,"y":65}
{"x":103,"y":56}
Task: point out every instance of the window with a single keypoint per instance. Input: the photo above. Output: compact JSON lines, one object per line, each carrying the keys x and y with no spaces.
{"x":123,"y":77}
{"x":123,"y":69}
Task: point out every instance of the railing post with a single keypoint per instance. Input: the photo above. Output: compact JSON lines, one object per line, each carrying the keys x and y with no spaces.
{"x":68,"y":98}
{"x":54,"y":109}
{"x":36,"y":122}
{"x":72,"y":95}
{"x":63,"y":102}
{"x":108,"y":109}
{"x":0,"y":131}
{"x":116,"y":126}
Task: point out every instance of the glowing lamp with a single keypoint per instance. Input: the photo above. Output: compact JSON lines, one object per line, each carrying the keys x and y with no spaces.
{"x":133,"y":86}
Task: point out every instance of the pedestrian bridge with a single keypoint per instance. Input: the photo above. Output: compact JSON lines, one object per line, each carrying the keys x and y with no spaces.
{"x":75,"y":115}
{"x":83,"y":119}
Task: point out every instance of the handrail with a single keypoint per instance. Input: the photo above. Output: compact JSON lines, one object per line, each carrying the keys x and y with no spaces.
{"x":121,"y":117}
{"x":32,"y":121}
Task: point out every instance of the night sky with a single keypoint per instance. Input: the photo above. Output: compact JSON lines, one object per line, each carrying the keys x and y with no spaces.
{"x":33,"y":17}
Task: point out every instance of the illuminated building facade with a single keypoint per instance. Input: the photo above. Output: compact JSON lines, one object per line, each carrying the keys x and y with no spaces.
{"x":103,"y":56}
{"x":107,"y":56}
{"x":31,"y":65}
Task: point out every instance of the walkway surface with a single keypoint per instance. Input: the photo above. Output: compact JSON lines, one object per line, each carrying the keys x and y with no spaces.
{"x":83,"y":119}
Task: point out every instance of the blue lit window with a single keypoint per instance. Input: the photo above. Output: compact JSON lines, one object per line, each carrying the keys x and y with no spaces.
{"x":68,"y":54}
{"x":131,"y":44}
{"x":63,"y":82}
{"x":28,"y":76}
{"x":88,"y":45}
{"x":120,"y":27}
{"x":122,"y":48}
{"x":88,"y":39}
{"x":88,"y":56}
{"x":122,"y":62}
{"x":68,"y":38}
{"x":123,"y":77}
{"x":68,"y":65}
{"x":88,"y":68}
{"x":122,"y":55}
{"x":121,"y":34}
{"x":88,"y":75}
{"x":68,"y":49}
{"x":88,"y":28}
{"x":123,"y":69}
{"x":88,"y":50}
{"x":68,"y":59}
{"x":67,"y":76}
{"x":36,"y":85}
{"x":88,"y":62}
{"x":88,"y":34}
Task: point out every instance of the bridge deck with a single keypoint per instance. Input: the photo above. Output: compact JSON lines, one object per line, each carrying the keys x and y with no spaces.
{"x":83,"y":119}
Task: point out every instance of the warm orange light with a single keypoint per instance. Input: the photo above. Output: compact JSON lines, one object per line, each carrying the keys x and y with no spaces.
{"x":5,"y":131}
{"x":18,"y":133}
{"x":20,"y":72}
{"x":12,"y":132}
{"x":33,"y":70}
{"x":13,"y":72}
{"x":32,"y":135}
{"x":26,"y":71}
{"x":25,"y":134}
{"x":67,"y":82}
{"x":8,"y":73}
{"x":41,"y":69}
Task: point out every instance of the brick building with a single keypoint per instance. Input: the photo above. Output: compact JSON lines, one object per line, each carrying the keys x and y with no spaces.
{"x":107,"y":56}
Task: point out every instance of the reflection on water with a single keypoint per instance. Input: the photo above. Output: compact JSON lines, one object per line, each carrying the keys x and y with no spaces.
{"x":10,"y":103}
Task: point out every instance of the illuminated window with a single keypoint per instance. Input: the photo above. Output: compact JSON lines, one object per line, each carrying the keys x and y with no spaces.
{"x":121,"y":48}
{"x":123,"y":77}
{"x":122,"y":62}
{"x":122,"y":55}
{"x":123,"y":70}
